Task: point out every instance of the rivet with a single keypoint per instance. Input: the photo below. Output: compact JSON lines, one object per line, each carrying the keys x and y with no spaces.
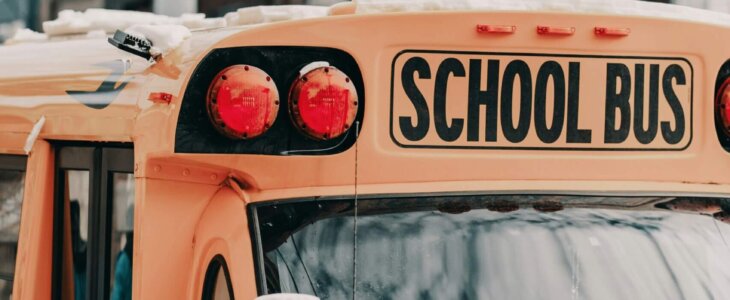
{"x":186,"y":172}
{"x":157,"y":168}
{"x":214,"y":177}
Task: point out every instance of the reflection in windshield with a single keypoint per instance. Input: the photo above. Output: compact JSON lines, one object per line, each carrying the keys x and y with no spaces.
{"x":575,"y":253}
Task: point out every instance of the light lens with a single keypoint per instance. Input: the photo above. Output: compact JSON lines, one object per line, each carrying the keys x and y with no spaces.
{"x":323,"y":103}
{"x":242,"y":102}
{"x":723,"y":106}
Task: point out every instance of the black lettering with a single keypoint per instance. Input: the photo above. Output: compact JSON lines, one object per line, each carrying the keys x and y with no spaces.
{"x":617,"y":100}
{"x":512,"y":133}
{"x":415,"y":65}
{"x":552,"y":133}
{"x":673,"y":72}
{"x":446,"y":132}
{"x":478,"y":97}
{"x":575,"y":135}
{"x":646,"y":136}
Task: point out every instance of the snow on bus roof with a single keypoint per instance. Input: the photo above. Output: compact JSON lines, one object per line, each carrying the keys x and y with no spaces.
{"x":274,"y":13}
{"x":26,"y":35}
{"x":164,"y":38}
{"x":617,"y":7}
{"x":76,"y":22}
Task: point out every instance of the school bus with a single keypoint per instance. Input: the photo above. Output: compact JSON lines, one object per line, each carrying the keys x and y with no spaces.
{"x":438,"y":154}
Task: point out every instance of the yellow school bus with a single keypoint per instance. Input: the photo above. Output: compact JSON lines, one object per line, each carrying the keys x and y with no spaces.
{"x":419,"y":150}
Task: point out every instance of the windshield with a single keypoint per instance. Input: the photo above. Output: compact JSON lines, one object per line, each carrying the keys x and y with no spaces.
{"x":471,"y":248}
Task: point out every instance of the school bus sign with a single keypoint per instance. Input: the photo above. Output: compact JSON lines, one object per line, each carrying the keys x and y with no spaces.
{"x":484,"y":100}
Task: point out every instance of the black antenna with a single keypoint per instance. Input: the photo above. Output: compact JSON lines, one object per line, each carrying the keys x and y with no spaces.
{"x":354,"y":225}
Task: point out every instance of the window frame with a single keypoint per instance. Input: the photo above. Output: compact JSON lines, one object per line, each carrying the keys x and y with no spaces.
{"x":14,"y":162}
{"x":102,"y":161}
{"x":217,"y":263}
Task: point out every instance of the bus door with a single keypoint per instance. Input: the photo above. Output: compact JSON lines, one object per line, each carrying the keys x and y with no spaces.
{"x":93,"y":222}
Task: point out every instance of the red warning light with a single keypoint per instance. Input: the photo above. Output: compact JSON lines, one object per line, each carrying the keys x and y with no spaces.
{"x":722,"y":106}
{"x":242,"y":102}
{"x":323,"y":103}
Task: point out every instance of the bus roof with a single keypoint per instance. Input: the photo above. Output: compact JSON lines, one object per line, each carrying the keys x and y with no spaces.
{"x":616,"y":7}
{"x":72,"y":83}
{"x":85,"y":88}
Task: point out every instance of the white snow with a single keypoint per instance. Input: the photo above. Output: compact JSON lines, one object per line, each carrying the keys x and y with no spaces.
{"x":33,"y":135}
{"x":164,"y":38}
{"x":616,"y":7}
{"x":714,"y":5}
{"x":96,"y":34}
{"x":199,"y":21}
{"x":26,"y":35}
{"x":76,"y":22}
{"x":276,"y":13}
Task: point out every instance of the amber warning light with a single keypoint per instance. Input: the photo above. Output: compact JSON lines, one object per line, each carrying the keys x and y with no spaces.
{"x":242,"y":102}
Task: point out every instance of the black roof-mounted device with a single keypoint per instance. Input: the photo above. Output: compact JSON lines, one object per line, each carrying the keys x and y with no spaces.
{"x":132,"y":44}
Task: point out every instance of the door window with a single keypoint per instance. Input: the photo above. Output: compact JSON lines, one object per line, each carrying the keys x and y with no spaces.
{"x":12,"y":178}
{"x":94,"y":224}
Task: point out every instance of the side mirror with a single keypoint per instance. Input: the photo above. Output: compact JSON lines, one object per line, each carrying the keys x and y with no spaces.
{"x":287,"y":297}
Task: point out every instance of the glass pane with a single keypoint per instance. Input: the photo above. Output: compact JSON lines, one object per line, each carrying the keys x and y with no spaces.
{"x":11,"y":198}
{"x":122,"y":236}
{"x":516,"y":247}
{"x":77,"y":216}
{"x":220,"y":291}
